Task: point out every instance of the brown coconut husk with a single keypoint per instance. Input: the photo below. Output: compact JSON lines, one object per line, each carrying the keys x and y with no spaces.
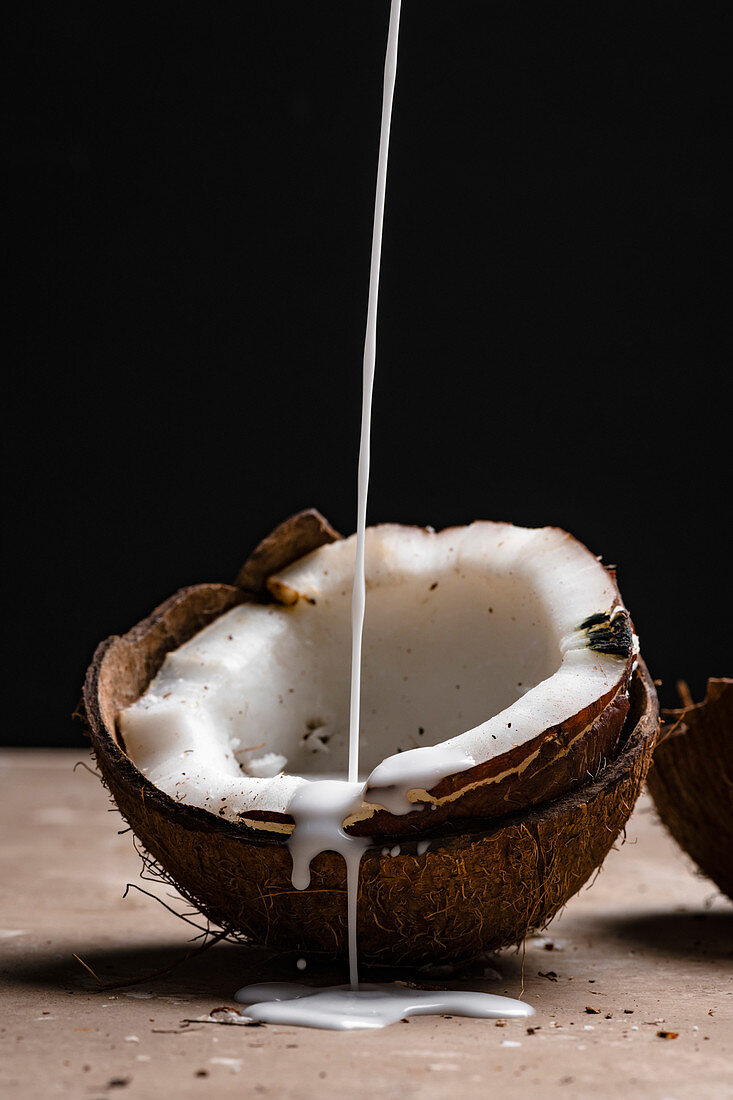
{"x":479,"y":886}
{"x":691,"y":780}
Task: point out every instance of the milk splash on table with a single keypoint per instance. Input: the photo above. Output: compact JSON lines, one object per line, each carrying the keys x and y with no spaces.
{"x":319,"y":808}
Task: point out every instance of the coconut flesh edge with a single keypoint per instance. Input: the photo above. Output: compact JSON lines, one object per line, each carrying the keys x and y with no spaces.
{"x":476,"y":641}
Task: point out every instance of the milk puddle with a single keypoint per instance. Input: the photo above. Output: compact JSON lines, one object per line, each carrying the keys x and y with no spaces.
{"x":341,"y":1008}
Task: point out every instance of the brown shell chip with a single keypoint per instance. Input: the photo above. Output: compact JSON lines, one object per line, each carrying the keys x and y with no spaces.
{"x":291,"y":539}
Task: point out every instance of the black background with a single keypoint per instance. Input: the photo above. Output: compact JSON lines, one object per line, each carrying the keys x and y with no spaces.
{"x":194,"y":208}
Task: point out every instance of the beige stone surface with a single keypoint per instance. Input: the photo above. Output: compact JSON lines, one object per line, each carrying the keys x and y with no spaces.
{"x":648,"y":949}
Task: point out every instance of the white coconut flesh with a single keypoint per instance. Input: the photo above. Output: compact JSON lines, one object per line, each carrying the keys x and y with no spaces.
{"x":476,"y":641}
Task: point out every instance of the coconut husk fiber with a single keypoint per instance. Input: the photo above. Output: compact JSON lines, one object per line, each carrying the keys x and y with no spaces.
{"x":480,"y":885}
{"x":691,"y":780}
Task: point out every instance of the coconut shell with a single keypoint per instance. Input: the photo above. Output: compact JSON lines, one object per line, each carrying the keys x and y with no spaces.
{"x":479,"y":886}
{"x":691,"y":781}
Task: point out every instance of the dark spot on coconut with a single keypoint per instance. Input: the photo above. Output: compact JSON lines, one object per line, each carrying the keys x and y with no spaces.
{"x":608,"y":634}
{"x":508,"y":725}
{"x":433,"y":586}
{"x":310,"y":600}
{"x":420,"y":731}
{"x":594,"y":620}
{"x":491,"y":611}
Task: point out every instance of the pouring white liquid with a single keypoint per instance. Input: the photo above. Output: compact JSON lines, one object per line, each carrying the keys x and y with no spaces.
{"x":319,"y":808}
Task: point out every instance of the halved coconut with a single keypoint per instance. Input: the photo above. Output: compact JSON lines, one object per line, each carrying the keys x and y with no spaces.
{"x":691,"y":780}
{"x":508,"y":651}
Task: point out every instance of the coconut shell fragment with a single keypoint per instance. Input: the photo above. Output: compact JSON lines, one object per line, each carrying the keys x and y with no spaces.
{"x":291,"y":539}
{"x":691,"y":780}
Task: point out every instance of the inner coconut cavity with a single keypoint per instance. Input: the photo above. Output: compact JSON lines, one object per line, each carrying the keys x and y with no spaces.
{"x":476,"y":639}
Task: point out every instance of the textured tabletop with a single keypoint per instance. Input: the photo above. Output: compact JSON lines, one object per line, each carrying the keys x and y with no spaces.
{"x":632,"y":983}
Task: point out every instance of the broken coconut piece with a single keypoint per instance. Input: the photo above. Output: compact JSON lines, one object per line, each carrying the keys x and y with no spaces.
{"x":495,"y":676}
{"x":478,"y":885}
{"x":691,"y":780}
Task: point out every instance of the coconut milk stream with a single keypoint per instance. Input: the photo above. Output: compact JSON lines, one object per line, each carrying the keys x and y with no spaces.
{"x":320,"y":807}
